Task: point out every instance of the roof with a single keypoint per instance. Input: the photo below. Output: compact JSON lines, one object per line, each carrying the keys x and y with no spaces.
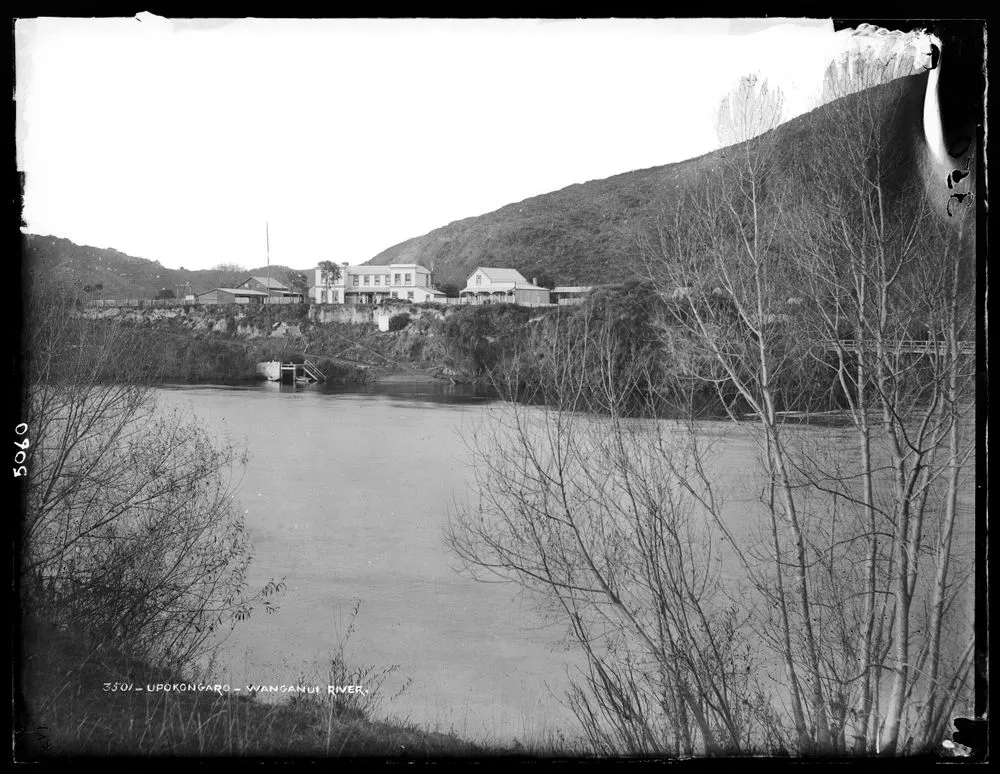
{"x":364,"y":268}
{"x":501,"y":275}
{"x":572,"y":289}
{"x":371,"y":268}
{"x":267,"y":282}
{"x":236,"y":292}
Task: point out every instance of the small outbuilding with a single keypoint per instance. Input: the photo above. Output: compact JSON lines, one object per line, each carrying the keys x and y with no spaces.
{"x":269,"y":286}
{"x":570,"y":294}
{"x":231,"y":296}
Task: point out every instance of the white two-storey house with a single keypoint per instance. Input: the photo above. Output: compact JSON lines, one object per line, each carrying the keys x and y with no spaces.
{"x":372,"y":284}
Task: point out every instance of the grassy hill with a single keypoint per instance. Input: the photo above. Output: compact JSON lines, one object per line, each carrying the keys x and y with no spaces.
{"x":588,"y":233}
{"x":124,"y":275}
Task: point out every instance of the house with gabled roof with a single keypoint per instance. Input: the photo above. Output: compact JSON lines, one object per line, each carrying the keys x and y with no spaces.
{"x":488,"y":285}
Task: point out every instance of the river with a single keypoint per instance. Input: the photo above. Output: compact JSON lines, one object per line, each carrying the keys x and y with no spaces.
{"x":347,"y":494}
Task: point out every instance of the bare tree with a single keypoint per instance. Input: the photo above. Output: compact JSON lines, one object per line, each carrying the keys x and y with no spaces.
{"x":815,"y":278}
{"x":581,"y":503}
{"x":721,"y":260}
{"x":131,"y":532}
{"x":892,"y":277}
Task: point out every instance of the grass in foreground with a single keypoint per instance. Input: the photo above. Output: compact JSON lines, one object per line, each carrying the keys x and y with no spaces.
{"x":66,"y":712}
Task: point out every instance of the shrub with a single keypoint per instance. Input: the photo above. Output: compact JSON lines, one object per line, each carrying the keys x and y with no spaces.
{"x":399,"y":321}
{"x":131,"y":533}
{"x":479,"y":337}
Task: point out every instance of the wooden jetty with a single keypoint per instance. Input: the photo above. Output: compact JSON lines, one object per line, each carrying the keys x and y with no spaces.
{"x":291,"y":373}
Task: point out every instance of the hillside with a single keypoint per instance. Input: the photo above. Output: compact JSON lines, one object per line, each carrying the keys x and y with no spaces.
{"x":589,"y":233}
{"x":583,"y":234}
{"x":124,"y":275}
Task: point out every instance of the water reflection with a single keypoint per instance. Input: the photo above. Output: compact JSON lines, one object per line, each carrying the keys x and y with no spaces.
{"x":406,"y":391}
{"x":346,"y":494}
{"x":425,"y":391}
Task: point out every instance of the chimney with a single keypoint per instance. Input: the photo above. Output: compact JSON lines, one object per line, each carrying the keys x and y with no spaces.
{"x":534,"y":280}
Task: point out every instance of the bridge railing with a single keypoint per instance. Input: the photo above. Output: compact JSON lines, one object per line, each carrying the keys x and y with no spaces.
{"x":902,"y":346}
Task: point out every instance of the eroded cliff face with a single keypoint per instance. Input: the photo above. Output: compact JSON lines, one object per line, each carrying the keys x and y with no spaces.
{"x":255,"y":324}
{"x":359,"y":314}
{"x":225,"y":320}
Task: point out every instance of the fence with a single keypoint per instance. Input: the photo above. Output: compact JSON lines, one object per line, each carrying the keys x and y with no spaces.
{"x":477,"y":302}
{"x":140,"y":303}
{"x":170,"y":303}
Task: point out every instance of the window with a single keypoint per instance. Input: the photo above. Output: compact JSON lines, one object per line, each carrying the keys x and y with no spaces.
{"x":479,"y":279}
{"x":409,"y":294}
{"x":354,"y":277}
{"x":409,"y":278}
{"x":395,"y":279}
{"x":368,"y":279}
{"x":395,"y":294}
{"x":378,"y":279}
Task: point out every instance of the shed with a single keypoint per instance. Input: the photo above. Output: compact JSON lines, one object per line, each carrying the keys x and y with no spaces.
{"x":231,"y":296}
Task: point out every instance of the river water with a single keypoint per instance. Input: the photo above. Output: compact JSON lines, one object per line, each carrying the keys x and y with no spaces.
{"x":347,"y":494}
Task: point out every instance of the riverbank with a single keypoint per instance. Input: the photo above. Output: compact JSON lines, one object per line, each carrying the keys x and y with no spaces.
{"x":426,"y":342}
{"x":85,"y":699}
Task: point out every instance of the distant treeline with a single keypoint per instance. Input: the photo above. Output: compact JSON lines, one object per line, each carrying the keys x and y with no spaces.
{"x":208,"y":347}
{"x":560,"y":355}
{"x":554,"y":355}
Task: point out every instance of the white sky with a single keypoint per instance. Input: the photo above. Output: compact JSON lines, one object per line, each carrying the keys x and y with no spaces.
{"x":175,"y":140}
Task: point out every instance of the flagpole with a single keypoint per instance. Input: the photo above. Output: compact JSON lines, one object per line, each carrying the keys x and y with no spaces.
{"x":267,"y":242}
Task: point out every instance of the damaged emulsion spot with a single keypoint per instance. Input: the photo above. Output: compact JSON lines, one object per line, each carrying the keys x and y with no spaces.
{"x":934,"y":54}
{"x":956,"y":199}
{"x":959,"y":147}
{"x":949,"y":142}
{"x":957,"y":175}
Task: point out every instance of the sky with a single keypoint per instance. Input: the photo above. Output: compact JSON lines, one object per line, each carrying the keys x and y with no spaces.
{"x":185,"y":141}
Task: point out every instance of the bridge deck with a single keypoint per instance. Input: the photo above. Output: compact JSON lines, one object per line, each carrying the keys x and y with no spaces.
{"x":904,"y":346}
